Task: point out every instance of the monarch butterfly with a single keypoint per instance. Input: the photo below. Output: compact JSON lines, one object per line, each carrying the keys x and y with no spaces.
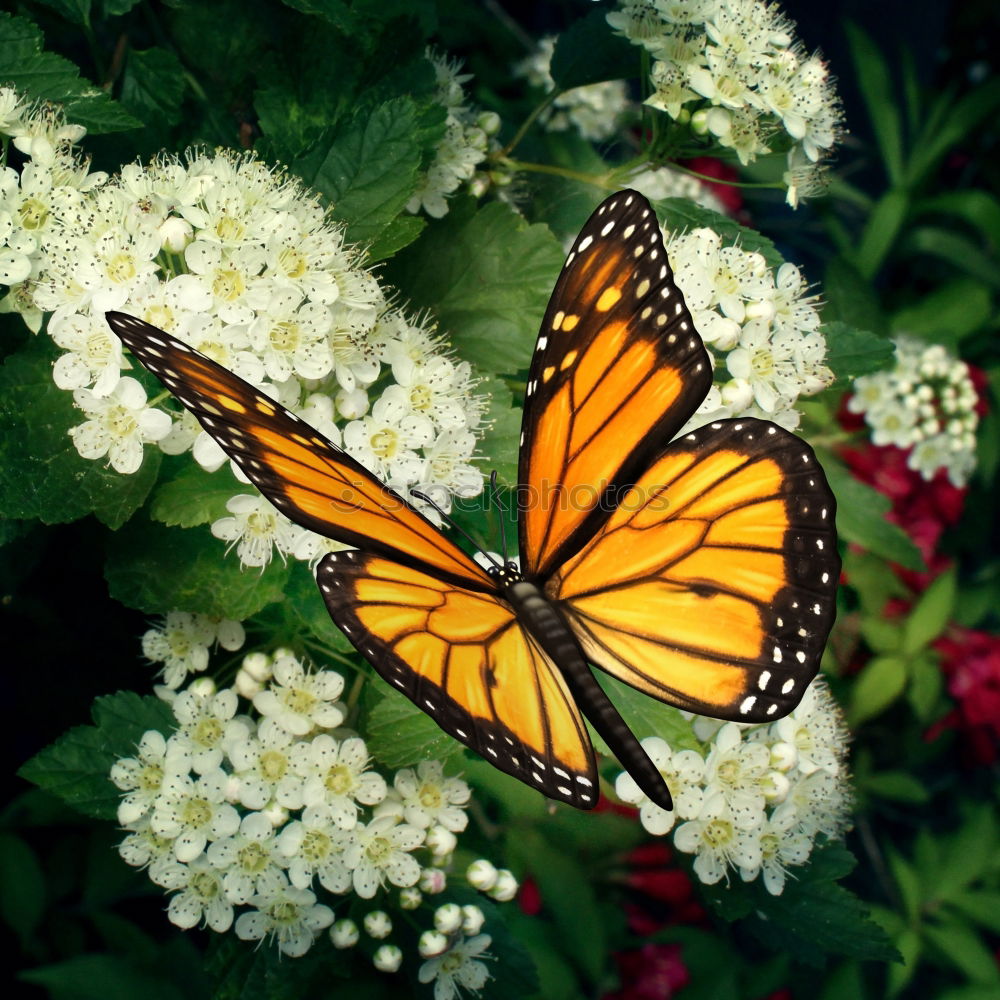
{"x":701,"y":571}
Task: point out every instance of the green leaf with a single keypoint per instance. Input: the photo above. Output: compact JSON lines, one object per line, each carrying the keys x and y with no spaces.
{"x":23,"y":901}
{"x":646,"y":716}
{"x":42,"y":476}
{"x":948,"y":314}
{"x":956,"y":250}
{"x":25,"y":65}
{"x":153,"y":85}
{"x":76,"y":767}
{"x":680,"y":214}
{"x":982,"y":906}
{"x":876,"y":88}
{"x":979,"y":209}
{"x":499,"y":444}
{"x":879,"y":684}
{"x":158,"y":569}
{"x":399,"y":734}
{"x":304,"y":605}
{"x":815,"y":917}
{"x":487,"y":275}
{"x":370,"y":166}
{"x":77,"y":11}
{"x":851,"y":299}
{"x":961,"y":946}
{"x":910,"y":945}
{"x":194,"y":496}
{"x":969,"y":855}
{"x":569,"y":896}
{"x":931,"y":614}
{"x":104,"y":977}
{"x":896,"y":786}
{"x":880,"y":232}
{"x":851,"y":352}
{"x":924,"y":690}
{"x":589,"y":52}
{"x":861,"y":513}
{"x":907,"y":882}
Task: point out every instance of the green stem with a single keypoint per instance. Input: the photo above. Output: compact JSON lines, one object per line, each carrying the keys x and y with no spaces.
{"x":528,"y":122}
{"x":573,"y":175}
{"x":774,"y":185}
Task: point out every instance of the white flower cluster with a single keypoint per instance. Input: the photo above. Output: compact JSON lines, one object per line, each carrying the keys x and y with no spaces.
{"x":927,"y":403}
{"x":663,"y":182}
{"x":733,"y":68}
{"x":755,"y":798}
{"x":465,"y":144}
{"x":760,"y":324}
{"x":270,"y":808}
{"x":241,"y":262}
{"x":183,"y":641}
{"x":595,"y":111}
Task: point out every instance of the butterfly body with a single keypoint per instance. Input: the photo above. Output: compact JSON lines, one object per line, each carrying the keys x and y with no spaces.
{"x":699,"y":569}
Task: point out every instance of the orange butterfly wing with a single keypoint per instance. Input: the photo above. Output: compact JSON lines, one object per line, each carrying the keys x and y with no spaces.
{"x":618,"y":369}
{"x":463,"y":658}
{"x":713,"y":585}
{"x":307,"y":477}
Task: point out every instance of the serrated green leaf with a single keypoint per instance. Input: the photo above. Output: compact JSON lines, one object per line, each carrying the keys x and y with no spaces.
{"x":305,"y":606}
{"x":851,"y":299}
{"x":369,"y":167}
{"x":851,"y":352}
{"x":398,"y":734}
{"x":814,"y":917}
{"x":679,"y":214}
{"x":931,"y":614}
{"x":487,"y":276}
{"x":42,"y":476}
{"x":499,"y":444}
{"x":194,"y":496}
{"x":909,"y":945}
{"x":588,"y":51}
{"x":861,"y":513}
{"x":158,"y":569}
{"x":646,"y":716}
{"x":399,"y":233}
{"x":25,"y":65}
{"x":75,"y":768}
{"x":960,"y":946}
{"x":153,"y":85}
{"x":947,"y":314}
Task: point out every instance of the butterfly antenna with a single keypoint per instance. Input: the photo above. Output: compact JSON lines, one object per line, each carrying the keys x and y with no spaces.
{"x":495,"y":494}
{"x":447,"y":517}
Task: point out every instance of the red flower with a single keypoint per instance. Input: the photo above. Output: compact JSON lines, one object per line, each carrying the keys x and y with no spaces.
{"x":652,"y":972}
{"x":970,"y":660}
{"x":664,"y":893}
{"x":529,"y":898}
{"x":730,"y":196}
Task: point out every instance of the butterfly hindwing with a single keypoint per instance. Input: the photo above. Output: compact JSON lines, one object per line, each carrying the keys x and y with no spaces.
{"x":618,"y":369}
{"x":713,"y":585}
{"x":309,"y":479}
{"x":463,"y":658}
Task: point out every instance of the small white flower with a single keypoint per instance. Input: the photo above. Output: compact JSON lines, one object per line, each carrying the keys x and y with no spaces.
{"x":290,"y":916}
{"x":430,"y":798}
{"x":200,"y":895}
{"x":263,"y":763}
{"x":119,"y":425}
{"x":817,"y":730}
{"x":192,"y":812}
{"x":717,"y":841}
{"x":256,"y":528}
{"x":448,"y":918}
{"x":505,"y":888}
{"x":207,"y":726}
{"x":782,"y":844}
{"x":248,"y":858}
{"x":482,"y":875}
{"x":377,"y":924}
{"x":385,"y":441}
{"x":737,"y":770}
{"x":344,"y":934}
{"x":387,"y":958}
{"x":144,"y":848}
{"x":314,"y":847}
{"x":682,"y":771}
{"x":380,"y":852}
{"x":141,"y":777}
{"x":298,"y":700}
{"x":458,"y":968}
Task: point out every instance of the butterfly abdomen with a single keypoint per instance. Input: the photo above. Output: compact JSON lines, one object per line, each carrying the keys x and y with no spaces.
{"x":546,"y":625}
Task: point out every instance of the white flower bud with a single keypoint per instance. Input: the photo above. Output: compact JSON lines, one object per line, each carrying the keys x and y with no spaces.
{"x":175,"y":234}
{"x":377,"y":924}
{"x":440,"y":842}
{"x":278,"y":815}
{"x":388,"y":958}
{"x":258,"y":666}
{"x":482,"y":875}
{"x":432,"y":881}
{"x":699,"y":122}
{"x":203,"y":687}
{"x":344,"y":934}
{"x":489,"y":122}
{"x":432,"y":943}
{"x":448,"y":918}
{"x":246,"y":686}
{"x":784,"y":756}
{"x":352,"y":404}
{"x":775,"y":787}
{"x":737,"y":394}
{"x":506,"y":886}
{"x":232,"y":791}
{"x":473,"y":919}
{"x":410,"y":898}
{"x":718,"y":120}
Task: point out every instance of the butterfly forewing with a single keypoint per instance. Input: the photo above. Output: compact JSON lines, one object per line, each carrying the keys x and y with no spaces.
{"x":463,"y":658}
{"x":618,"y":369}
{"x":713,"y":585}
{"x":304,"y":475}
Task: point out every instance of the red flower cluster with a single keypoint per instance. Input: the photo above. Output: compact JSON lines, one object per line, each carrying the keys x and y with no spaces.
{"x":652,"y":972}
{"x":664,"y":893}
{"x":970,"y":660}
{"x":730,"y":196}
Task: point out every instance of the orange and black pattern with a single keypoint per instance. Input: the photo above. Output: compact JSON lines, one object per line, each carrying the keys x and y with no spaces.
{"x":618,"y":369}
{"x":702,"y":571}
